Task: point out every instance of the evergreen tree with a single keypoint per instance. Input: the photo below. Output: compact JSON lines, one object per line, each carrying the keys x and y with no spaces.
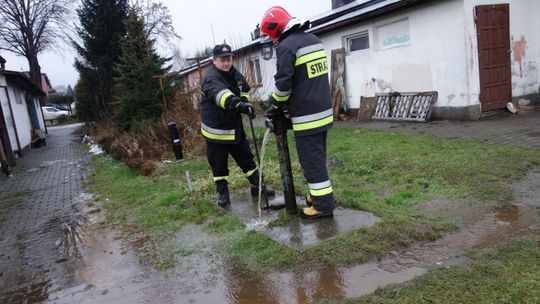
{"x":139,"y":94}
{"x":102,"y":28}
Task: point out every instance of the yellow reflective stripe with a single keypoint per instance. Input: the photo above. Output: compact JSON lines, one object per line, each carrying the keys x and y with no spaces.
{"x":218,"y":178}
{"x":224,"y":98}
{"x":313,"y":124}
{"x":246,"y":95}
{"x":321,"y":192}
{"x":280,"y":98}
{"x":217,"y":136}
{"x":250,"y":172}
{"x":309,"y":57}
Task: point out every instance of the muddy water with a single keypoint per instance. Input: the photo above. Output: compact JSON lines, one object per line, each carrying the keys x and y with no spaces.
{"x":112,"y":273}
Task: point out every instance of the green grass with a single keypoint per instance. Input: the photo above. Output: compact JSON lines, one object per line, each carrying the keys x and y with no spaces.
{"x":255,"y":251}
{"x":385,"y":173}
{"x":510,"y":274}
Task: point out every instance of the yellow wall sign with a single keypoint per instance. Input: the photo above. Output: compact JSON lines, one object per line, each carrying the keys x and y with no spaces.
{"x":317,"y":67}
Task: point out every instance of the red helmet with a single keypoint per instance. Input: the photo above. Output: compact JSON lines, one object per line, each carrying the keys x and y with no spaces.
{"x":274,"y":22}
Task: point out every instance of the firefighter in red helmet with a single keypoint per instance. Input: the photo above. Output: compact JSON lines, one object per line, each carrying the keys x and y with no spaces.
{"x":302,"y":88}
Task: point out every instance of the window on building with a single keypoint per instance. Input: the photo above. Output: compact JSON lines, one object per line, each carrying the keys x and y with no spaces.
{"x":393,"y":34}
{"x":255,"y":66}
{"x":358,"y":42}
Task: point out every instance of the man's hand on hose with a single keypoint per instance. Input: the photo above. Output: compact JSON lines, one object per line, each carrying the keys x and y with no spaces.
{"x":247,"y":108}
{"x":273,"y":112}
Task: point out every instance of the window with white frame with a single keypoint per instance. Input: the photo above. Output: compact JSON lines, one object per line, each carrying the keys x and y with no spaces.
{"x":357,"y":42}
{"x":255,"y":66}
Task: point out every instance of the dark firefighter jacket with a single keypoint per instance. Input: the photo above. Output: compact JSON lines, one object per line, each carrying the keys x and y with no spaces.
{"x":301,"y":82}
{"x":222,"y":92}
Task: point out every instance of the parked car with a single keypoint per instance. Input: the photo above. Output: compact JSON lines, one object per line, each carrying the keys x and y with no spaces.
{"x":59,"y":107}
{"x":51,"y":113}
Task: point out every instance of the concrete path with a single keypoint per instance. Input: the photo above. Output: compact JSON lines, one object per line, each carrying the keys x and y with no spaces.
{"x":37,"y":215}
{"x":522,"y":129}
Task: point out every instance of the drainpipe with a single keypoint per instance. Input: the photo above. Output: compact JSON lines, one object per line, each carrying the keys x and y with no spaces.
{"x":279,"y":124}
{"x":13,"y":120}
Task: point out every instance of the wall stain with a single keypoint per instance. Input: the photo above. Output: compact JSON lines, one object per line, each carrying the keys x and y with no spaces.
{"x":450,"y":97}
{"x":518,"y":50}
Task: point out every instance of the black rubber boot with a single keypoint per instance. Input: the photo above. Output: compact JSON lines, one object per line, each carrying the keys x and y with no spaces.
{"x":254,"y":181}
{"x":223,"y":193}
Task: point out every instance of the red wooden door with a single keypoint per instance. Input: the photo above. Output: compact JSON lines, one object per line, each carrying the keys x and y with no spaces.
{"x":493,"y":34}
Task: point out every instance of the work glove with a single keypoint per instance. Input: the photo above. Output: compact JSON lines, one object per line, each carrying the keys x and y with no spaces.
{"x":273,"y":112}
{"x":247,"y":108}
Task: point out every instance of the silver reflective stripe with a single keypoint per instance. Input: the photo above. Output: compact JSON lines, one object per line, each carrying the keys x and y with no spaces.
{"x":217,"y":131}
{"x":312,"y":117}
{"x":219,"y":94}
{"x":321,"y":185}
{"x":281,"y":93}
{"x":309,"y":49}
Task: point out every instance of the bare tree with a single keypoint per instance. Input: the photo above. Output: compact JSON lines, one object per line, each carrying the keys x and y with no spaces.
{"x":28,"y":27}
{"x":157,"y":23}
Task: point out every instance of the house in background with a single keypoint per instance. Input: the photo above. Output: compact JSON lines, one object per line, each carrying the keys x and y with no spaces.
{"x":21,"y":120}
{"x":477,"y":54}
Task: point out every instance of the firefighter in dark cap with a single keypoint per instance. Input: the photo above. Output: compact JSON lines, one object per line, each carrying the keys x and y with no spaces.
{"x":225,"y":97}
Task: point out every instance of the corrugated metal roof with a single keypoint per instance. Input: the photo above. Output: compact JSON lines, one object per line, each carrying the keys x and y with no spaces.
{"x":194,"y":67}
{"x":21,"y":80}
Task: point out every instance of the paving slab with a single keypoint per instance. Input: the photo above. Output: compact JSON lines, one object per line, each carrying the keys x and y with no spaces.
{"x":299,"y":234}
{"x":37,"y":203}
{"x":503,"y":128}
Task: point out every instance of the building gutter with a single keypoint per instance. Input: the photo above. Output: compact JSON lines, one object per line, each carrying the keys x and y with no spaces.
{"x":399,"y":5}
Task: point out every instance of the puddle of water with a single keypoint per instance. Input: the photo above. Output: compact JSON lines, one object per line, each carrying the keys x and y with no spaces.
{"x":46,"y":164}
{"x":112,"y":274}
{"x":527,"y":189}
{"x":299,"y":234}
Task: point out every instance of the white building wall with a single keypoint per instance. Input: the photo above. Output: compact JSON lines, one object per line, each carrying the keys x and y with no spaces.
{"x":433,"y":60}
{"x":441,"y":55}
{"x":20,"y":113}
{"x":268,"y":70}
{"x":7,"y":113}
{"x":525,"y":45}
{"x":22,"y":118}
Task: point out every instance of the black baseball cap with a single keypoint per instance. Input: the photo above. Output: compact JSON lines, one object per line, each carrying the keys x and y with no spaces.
{"x":222,"y":50}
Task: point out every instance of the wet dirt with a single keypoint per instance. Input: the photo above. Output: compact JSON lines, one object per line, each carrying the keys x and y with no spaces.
{"x":111,"y":273}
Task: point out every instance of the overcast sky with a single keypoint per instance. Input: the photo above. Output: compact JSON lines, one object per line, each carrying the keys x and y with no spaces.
{"x":199,"y":22}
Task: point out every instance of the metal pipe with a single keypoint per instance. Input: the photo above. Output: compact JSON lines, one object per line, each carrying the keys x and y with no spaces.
{"x":175,"y":140}
{"x":280,"y":124}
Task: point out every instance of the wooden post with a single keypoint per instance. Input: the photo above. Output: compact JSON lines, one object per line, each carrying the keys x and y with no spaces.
{"x":337,"y":82}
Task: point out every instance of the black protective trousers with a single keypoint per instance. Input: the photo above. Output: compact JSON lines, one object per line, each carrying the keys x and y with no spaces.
{"x":312,"y":156}
{"x":218,"y":156}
